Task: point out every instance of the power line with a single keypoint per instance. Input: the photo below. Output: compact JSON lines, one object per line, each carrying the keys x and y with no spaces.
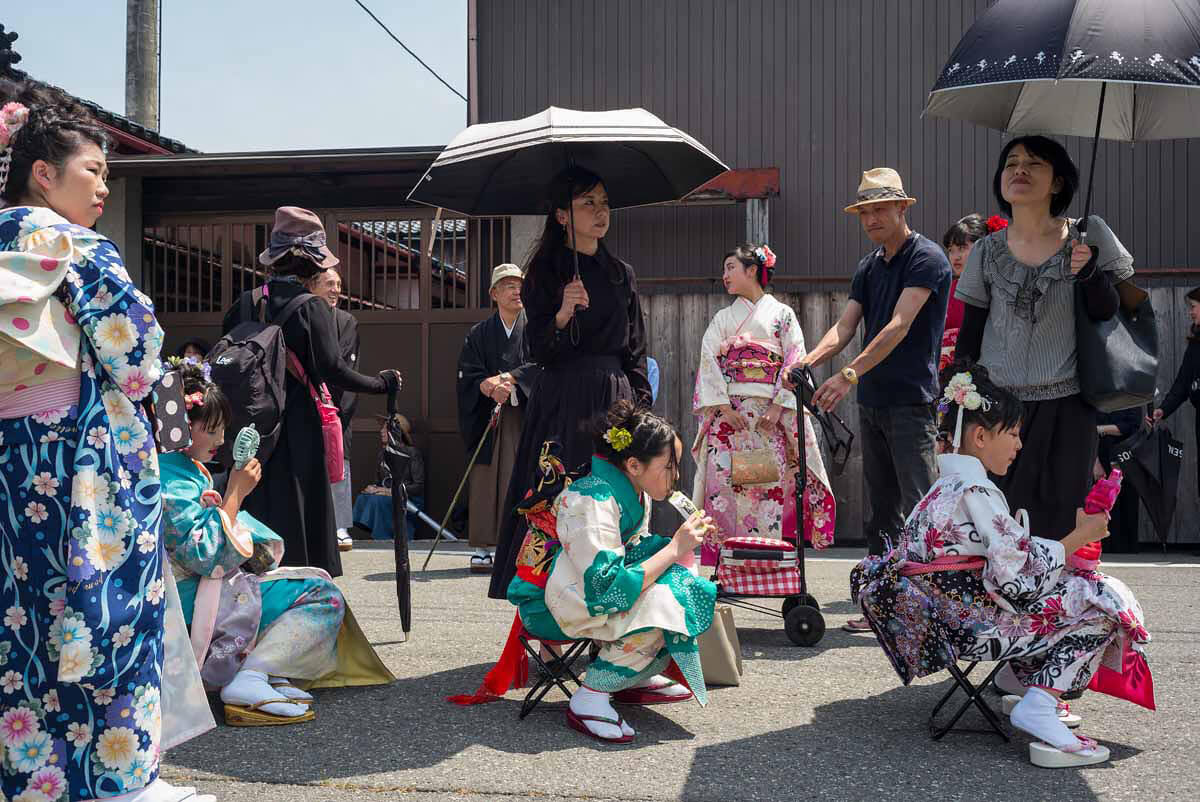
{"x":414,"y":55}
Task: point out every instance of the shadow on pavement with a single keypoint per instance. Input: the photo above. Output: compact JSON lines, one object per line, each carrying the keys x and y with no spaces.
{"x":405,"y":725}
{"x":880,"y":746}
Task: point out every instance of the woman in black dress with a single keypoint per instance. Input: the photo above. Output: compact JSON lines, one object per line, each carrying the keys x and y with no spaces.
{"x":294,"y":497}
{"x":587,"y":334}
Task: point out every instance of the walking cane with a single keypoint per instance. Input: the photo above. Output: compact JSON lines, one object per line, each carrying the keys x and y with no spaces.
{"x":438,"y":538}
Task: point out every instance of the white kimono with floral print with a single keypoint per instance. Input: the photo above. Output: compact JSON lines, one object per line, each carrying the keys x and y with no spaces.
{"x":761,"y":510}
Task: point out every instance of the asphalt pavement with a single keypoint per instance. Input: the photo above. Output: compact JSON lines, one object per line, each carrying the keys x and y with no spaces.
{"x":830,"y":722}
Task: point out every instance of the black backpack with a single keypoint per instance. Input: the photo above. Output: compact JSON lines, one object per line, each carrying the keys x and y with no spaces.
{"x":249,"y":364}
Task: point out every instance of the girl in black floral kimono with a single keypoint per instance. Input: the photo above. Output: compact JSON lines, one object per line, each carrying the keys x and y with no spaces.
{"x":970,"y":571}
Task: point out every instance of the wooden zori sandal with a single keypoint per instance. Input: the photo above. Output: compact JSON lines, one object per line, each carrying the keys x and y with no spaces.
{"x":651,"y":696}
{"x":576,"y":722}
{"x":253,"y":716}
{"x":1086,"y":752}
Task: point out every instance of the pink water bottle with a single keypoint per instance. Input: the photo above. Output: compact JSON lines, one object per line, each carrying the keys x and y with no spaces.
{"x":1100,"y":500}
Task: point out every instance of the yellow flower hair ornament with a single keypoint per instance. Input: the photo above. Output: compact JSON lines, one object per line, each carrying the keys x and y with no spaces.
{"x":618,"y":437}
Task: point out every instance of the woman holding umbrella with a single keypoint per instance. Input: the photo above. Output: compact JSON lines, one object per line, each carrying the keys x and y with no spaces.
{"x":584,"y":328}
{"x":1019,"y":323}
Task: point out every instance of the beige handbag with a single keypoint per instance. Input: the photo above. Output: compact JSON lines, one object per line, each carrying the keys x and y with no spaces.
{"x":754,"y":466}
{"x":720,"y":649}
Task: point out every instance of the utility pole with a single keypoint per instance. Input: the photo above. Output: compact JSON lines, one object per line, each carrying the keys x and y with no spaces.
{"x":141,"y":62}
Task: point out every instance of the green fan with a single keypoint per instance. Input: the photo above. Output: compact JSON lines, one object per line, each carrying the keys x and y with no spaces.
{"x":245,"y":446}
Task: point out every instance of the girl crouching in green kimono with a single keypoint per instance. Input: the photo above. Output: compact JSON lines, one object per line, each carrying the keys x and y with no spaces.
{"x":608,"y":579}
{"x":254,"y":627}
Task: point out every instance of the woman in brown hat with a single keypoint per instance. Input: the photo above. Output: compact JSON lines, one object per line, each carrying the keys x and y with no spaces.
{"x":294,"y":496}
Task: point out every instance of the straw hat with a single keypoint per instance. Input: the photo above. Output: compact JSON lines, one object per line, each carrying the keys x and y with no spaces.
{"x":880,"y":185}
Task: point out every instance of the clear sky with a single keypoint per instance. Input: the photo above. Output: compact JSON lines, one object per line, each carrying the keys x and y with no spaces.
{"x":265,"y":74}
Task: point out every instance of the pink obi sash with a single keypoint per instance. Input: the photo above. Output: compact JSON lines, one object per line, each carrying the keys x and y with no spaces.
{"x":950,"y":562}
{"x":58,"y":394}
{"x":751,"y":363}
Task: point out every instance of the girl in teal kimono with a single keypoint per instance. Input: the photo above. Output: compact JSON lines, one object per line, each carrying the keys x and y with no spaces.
{"x":81,"y":568}
{"x":255,"y":627}
{"x":608,"y":579}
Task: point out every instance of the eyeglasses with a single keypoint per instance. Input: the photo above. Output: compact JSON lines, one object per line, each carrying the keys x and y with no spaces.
{"x":837,"y":434}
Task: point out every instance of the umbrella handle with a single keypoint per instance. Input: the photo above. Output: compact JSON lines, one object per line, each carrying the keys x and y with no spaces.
{"x":1087,"y":204}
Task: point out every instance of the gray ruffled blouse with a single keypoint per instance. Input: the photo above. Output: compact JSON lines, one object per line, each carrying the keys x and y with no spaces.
{"x":1029,"y":337}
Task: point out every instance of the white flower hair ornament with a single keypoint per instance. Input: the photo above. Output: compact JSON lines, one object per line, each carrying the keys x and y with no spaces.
{"x":12,"y":117}
{"x":962,"y":392}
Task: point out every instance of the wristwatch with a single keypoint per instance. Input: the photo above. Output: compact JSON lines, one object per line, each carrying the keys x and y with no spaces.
{"x":850,"y":375}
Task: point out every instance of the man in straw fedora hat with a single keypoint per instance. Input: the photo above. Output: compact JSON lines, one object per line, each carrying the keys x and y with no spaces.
{"x":494,"y":368}
{"x":899,"y":293}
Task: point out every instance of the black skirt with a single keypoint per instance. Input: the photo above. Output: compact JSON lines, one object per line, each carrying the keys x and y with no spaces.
{"x":1052,"y":473}
{"x":294,"y":497}
{"x":565,"y":400}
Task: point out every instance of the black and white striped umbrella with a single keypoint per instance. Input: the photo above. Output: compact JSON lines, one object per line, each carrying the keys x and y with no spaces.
{"x":506,"y":167}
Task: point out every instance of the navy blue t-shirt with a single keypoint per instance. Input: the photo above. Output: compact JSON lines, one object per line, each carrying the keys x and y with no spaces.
{"x":909,"y":374}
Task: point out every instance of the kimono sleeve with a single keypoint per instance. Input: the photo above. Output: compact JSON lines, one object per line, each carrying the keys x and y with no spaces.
{"x":472,"y":370}
{"x":1020,"y":567}
{"x":791,"y":340}
{"x":542,"y":298}
{"x":634,"y":361}
{"x":589,"y":528}
{"x":200,"y":539}
{"x":116,"y":318}
{"x":711,"y":388}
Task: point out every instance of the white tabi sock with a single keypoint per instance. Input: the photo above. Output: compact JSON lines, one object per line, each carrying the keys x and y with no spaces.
{"x":663,"y":685}
{"x":289,"y":691}
{"x":251,"y":687}
{"x":161,"y":791}
{"x":1037,"y":714}
{"x":586,"y":702}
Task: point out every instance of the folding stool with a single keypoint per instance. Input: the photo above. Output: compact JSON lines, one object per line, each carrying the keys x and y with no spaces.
{"x":555,"y":671}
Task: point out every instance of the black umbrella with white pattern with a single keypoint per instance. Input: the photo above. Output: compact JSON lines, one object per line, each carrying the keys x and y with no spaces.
{"x":1126,"y":70}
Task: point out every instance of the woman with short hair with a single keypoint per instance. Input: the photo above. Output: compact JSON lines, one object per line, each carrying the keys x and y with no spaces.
{"x":1019,"y":290}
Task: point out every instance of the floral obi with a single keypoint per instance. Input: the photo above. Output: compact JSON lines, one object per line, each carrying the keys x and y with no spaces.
{"x":750,"y":363}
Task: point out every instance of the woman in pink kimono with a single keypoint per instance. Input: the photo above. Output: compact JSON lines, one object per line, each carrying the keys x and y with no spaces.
{"x":747,"y":416}
{"x":1011,"y":597}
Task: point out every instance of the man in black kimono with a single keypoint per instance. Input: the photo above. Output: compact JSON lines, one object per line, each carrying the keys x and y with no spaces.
{"x":494,"y":368}
{"x":327,"y":285}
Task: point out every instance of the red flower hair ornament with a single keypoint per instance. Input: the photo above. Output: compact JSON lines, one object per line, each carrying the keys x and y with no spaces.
{"x":996,"y":223}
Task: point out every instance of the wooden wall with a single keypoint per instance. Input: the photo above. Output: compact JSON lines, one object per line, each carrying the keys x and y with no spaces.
{"x":676,"y":323}
{"x":822,"y":89}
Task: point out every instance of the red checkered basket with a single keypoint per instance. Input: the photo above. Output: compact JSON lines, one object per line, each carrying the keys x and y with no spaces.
{"x":774,"y":574}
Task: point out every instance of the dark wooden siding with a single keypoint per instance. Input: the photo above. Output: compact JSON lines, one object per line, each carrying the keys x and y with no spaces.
{"x":820,"y":89}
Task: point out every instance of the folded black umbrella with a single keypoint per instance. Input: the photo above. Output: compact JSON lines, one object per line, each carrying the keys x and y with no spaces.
{"x":394,"y":458}
{"x":1151,"y":461}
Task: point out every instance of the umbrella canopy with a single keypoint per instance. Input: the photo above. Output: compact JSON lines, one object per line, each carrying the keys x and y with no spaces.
{"x":1040,"y":66}
{"x":506,"y":167}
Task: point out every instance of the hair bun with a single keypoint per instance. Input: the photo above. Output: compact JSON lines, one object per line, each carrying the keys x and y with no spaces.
{"x":621,"y":413}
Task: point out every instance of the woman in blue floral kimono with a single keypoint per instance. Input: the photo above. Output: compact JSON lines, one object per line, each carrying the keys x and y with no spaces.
{"x":254,"y":626}
{"x":608,"y":579}
{"x":1001,"y":593}
{"x":81,"y":582}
